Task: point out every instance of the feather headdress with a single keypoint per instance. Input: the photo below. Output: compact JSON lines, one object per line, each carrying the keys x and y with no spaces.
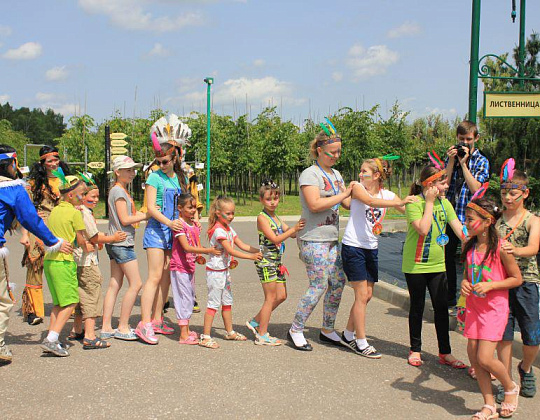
{"x":439,"y":164}
{"x":169,"y":130}
{"x":67,"y":182}
{"x":87,"y":179}
{"x":507,"y":177}
{"x":477,"y":195}
{"x":330,"y":131}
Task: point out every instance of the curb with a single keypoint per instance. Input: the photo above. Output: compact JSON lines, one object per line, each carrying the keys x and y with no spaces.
{"x":400,"y":298}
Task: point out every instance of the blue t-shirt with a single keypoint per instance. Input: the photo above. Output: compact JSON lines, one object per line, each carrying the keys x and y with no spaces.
{"x":159,"y":181}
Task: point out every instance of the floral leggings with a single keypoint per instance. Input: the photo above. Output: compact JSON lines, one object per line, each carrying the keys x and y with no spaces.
{"x":325,"y":274}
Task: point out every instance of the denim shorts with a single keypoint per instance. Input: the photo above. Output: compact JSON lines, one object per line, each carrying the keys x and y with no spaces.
{"x":360,"y":264}
{"x":157,"y":235}
{"x":524,"y":303}
{"x":121,"y":254}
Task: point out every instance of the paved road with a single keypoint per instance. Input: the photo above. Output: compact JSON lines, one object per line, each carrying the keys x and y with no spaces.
{"x":240,"y":380}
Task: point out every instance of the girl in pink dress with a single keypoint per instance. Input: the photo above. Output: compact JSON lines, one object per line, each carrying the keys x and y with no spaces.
{"x":488,"y":274}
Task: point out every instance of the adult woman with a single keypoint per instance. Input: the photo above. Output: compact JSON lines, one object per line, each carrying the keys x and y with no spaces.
{"x":14,"y":203}
{"x":162,"y":188}
{"x":322,"y":191}
{"x":43,"y":190}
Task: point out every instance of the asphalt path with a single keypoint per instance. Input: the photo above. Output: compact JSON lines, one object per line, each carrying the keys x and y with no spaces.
{"x":239,"y":380}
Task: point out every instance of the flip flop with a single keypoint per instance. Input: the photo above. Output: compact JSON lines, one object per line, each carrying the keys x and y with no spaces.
{"x":415,"y":361}
{"x":456,"y":364}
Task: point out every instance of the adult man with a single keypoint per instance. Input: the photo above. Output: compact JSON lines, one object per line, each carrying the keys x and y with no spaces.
{"x":467,"y":169}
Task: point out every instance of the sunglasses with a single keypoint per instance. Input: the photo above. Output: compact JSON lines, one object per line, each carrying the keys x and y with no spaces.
{"x":164,"y":162}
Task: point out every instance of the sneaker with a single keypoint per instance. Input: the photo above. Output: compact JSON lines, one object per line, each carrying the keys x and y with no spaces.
{"x":499,"y":395}
{"x":266,"y":340}
{"x":349,"y":343}
{"x":146,"y":333}
{"x":196,"y":308}
{"x":32,"y":319}
{"x":129,"y":336}
{"x":5,"y":354}
{"x":528,"y":382}
{"x":370,"y":352}
{"x":253,"y":325}
{"x":452,"y":311}
{"x":160,"y":327}
{"x":54,"y":347}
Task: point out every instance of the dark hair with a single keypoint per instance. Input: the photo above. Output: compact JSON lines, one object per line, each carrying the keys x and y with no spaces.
{"x":184,"y":198}
{"x":520,"y":177}
{"x":493,"y":237}
{"x":427,"y":171}
{"x":38,"y":174}
{"x":268,"y":185}
{"x":165,"y":147}
{"x":466,"y":127}
{"x":6,"y":163}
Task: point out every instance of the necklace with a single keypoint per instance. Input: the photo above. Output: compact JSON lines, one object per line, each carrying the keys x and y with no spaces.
{"x":516,"y":226}
{"x":479,"y":270}
{"x":279,"y":229}
{"x":442,"y":239}
{"x":335,"y":190}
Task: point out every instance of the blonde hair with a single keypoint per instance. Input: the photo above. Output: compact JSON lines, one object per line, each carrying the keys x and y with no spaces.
{"x":379,"y":166}
{"x":320,"y":140}
{"x":217,"y":205}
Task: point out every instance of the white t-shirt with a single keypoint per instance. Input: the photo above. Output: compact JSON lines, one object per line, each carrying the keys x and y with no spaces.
{"x":221,"y":262}
{"x":358,"y":232}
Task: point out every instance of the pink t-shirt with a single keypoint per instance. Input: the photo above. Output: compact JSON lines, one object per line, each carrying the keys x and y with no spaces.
{"x":486,"y":317}
{"x":181,"y":260}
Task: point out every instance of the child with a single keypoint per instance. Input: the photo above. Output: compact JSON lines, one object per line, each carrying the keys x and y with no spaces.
{"x":123,"y":217}
{"x":520,"y":231}
{"x":272,"y":233}
{"x":488,"y":274}
{"x":15,"y":204}
{"x":185,"y":246}
{"x":218,"y":277}
{"x":65,"y":222}
{"x":90,"y":304}
{"x":359,"y":248}
{"x":423,"y":260}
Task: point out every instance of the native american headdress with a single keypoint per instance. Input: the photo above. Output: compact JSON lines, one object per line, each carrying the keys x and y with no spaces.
{"x":88,"y":180}
{"x":67,"y":183}
{"x":330,"y":131}
{"x":169,"y":130}
{"x":439,"y":164}
{"x":507,"y":175}
{"x":479,"y":194}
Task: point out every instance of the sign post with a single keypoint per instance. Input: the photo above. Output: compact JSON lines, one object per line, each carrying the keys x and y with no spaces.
{"x":107,"y":166}
{"x":209,"y":81}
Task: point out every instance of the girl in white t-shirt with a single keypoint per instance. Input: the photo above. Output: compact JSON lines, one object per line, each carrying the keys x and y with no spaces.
{"x":359,"y":247}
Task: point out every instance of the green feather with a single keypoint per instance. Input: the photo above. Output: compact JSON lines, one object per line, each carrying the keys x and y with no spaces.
{"x":325,"y":129}
{"x":59,"y":173}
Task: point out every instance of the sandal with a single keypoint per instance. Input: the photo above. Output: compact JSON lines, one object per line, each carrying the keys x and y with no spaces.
{"x":96,"y":343}
{"x":482,"y":416}
{"x":208,"y":342}
{"x":191,"y":340}
{"x":235,"y":336}
{"x":75,"y":336}
{"x":415,"y":361}
{"x":456,"y":364}
{"x":510,"y":407}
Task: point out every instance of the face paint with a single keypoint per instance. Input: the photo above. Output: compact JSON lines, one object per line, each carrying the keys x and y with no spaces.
{"x":476,"y":224}
{"x":80,"y":197}
{"x":330,"y":155}
{"x":519,"y":198}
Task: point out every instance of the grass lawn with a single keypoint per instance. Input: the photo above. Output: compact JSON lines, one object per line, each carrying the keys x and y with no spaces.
{"x":289,"y":206}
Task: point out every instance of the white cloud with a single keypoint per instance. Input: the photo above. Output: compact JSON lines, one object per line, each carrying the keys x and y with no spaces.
{"x":259,"y":62}
{"x":337,"y":76}
{"x":371,"y":62}
{"x":266,"y":89}
{"x":441,"y":111}
{"x":132,"y":15}
{"x":5,"y":30}
{"x":48,"y":97}
{"x":64,"y":109}
{"x":57,"y":74}
{"x":158,"y":50}
{"x":4,"y":98}
{"x":405,"y":29}
{"x":27,"y":51}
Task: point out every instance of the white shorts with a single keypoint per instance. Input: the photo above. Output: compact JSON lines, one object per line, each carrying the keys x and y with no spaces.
{"x":219,"y":288}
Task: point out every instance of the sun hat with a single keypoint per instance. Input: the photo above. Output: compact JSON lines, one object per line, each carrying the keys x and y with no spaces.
{"x":124,"y":162}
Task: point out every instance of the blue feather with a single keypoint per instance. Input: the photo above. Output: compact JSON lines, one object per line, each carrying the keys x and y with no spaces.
{"x":330,"y":124}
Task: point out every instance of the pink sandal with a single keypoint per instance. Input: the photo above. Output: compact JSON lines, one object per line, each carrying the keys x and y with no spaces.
{"x":510,"y":407}
{"x":191,"y":340}
{"x":456,"y":364}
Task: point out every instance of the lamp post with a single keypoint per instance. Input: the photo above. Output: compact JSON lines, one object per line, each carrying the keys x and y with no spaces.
{"x":209,"y":81}
{"x":473,"y":70}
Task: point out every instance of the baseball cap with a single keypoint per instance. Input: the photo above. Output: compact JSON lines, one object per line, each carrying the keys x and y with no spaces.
{"x":124,"y":162}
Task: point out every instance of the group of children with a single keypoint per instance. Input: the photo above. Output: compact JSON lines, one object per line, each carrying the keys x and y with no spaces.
{"x":500,"y":285}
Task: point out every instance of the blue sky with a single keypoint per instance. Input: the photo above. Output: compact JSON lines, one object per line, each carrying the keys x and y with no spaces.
{"x":306,"y":57}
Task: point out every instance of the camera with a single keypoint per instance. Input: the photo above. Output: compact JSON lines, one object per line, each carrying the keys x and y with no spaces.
{"x":460,"y":152}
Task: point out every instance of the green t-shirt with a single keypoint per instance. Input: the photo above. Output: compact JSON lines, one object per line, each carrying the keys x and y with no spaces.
{"x":158,"y":180}
{"x":64,"y":222}
{"x":422,"y":254}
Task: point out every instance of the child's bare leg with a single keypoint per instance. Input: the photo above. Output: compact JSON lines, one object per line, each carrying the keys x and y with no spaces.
{"x":131,"y":270}
{"x":184,"y":332}
{"x":504,"y":353}
{"x":281,"y":296}
{"x":89,"y":328}
{"x":77,"y":324}
{"x":363,"y":290}
{"x":54,"y":315}
{"x":162,"y":293}
{"x":482,"y":377}
{"x":529,"y":356}
{"x":226,"y":314}
{"x":270,"y":296}
{"x":208,"y":321}
{"x":115,"y":284}
{"x":62,"y":318}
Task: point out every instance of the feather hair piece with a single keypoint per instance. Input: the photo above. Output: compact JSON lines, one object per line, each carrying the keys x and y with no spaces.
{"x":481,"y":191}
{"x":325,"y":129}
{"x":330,"y":125}
{"x":507,"y":170}
{"x":155,"y":142}
{"x":59,"y":173}
{"x":436,"y":160}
